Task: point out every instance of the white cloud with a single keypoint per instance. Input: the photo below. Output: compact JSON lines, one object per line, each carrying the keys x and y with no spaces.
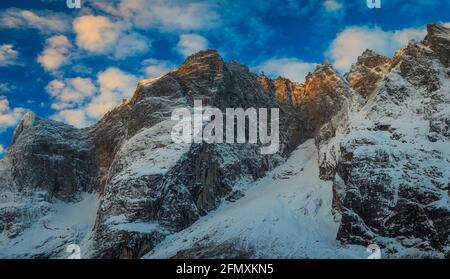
{"x":291,"y":68}
{"x":8,"y":56}
{"x":115,"y":85}
{"x":6,"y":87}
{"x":191,"y":43}
{"x":44,"y":21}
{"x":332,"y":5}
{"x":156,"y":68}
{"x":96,"y":33}
{"x":130,"y":45}
{"x":402,"y":37}
{"x":70,"y":93}
{"x":9,"y":117}
{"x":163,"y":14}
{"x":74,"y":117}
{"x":55,"y":53}
{"x":351,"y":43}
{"x":100,"y":35}
{"x":80,"y":103}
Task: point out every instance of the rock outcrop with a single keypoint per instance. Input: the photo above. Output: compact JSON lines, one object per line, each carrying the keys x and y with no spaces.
{"x":381,"y":134}
{"x":51,"y":156}
{"x":367,"y":71}
{"x":392,"y":169}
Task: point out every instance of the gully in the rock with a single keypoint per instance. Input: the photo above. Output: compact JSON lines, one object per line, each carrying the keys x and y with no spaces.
{"x":235,"y":128}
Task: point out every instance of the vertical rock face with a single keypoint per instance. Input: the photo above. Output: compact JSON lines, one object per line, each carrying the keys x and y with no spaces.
{"x":438,"y":39}
{"x":51,"y":156}
{"x":323,"y":96}
{"x":393,"y":162}
{"x":174,"y":184}
{"x":320,"y":107}
{"x":287,"y":92}
{"x":381,"y":134}
{"x":367,"y":71}
{"x":198,"y":176}
{"x":266,"y":84}
{"x":326,"y":95}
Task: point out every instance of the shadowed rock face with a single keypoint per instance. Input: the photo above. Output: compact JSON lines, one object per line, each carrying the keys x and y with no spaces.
{"x":438,"y":39}
{"x":53,"y":156}
{"x":386,"y":154}
{"x":392,"y":171}
{"x":104,"y":157}
{"x":204,"y":174}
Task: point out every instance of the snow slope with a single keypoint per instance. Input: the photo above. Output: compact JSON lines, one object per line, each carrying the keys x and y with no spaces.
{"x":149,"y":152}
{"x":48,"y":237}
{"x":286,"y":214}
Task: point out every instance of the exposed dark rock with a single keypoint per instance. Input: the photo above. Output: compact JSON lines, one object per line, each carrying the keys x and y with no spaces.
{"x":388,"y":190}
{"x":389,"y":169}
{"x":53,"y":156}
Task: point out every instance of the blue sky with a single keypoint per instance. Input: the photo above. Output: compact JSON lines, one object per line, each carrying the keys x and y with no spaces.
{"x":74,"y":65}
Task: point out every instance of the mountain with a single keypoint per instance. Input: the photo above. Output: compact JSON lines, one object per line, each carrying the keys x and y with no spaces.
{"x":392,"y":166}
{"x":363,"y":159}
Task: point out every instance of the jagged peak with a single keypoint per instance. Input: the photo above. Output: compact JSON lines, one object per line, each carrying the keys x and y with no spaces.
{"x":371,"y":58}
{"x":368,"y":53}
{"x":370,"y":61}
{"x":27,"y":121}
{"x":263,"y":78}
{"x":282,"y":79}
{"x":204,"y":56}
{"x":436,"y":30}
{"x":31,"y":120}
{"x":205,"y":61}
{"x":438,"y":39}
{"x":278,"y":80}
{"x":262,"y":75}
{"x":324,"y":68}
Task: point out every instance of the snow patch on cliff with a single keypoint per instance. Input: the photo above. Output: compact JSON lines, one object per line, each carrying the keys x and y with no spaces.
{"x":286,"y":214}
{"x":151,"y":151}
{"x":48,"y":237}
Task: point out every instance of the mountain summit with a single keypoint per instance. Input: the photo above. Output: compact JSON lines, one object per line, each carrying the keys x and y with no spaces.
{"x":364,"y":159}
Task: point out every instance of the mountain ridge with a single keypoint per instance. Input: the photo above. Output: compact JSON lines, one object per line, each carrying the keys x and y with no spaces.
{"x":149,"y":188}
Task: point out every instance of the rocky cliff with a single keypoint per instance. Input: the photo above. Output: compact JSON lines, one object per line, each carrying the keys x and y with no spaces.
{"x":380,"y":134}
{"x":392,"y":163}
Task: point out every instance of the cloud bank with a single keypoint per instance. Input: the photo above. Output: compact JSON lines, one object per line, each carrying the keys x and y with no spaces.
{"x":291,"y":68}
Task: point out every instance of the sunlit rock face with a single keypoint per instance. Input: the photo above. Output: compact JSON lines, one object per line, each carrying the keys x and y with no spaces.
{"x":367,"y":71}
{"x":197,"y":177}
{"x":379,"y":134}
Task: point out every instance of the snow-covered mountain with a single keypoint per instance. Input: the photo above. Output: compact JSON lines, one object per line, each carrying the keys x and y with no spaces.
{"x":364,"y":159}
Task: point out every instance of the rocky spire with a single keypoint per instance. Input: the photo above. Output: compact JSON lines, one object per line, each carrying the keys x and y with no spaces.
{"x":266,"y":84}
{"x":201,"y":64}
{"x":143,"y":178}
{"x":367,"y":71}
{"x":27,"y":121}
{"x":438,"y":39}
